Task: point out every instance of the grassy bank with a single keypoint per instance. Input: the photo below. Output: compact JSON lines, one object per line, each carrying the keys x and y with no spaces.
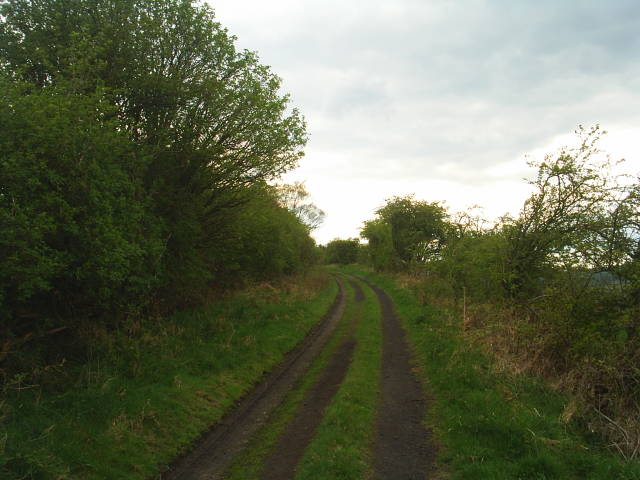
{"x":149,"y":391}
{"x":491,"y":424}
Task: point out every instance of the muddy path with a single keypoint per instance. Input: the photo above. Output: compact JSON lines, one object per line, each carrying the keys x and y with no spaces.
{"x":296,"y":437}
{"x":293,"y":441}
{"x":403,"y":448}
{"x":216,"y":448}
{"x":359,"y":294}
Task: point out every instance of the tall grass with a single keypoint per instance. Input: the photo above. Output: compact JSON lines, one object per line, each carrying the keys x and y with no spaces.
{"x":148,"y":391}
{"x":493,"y":423}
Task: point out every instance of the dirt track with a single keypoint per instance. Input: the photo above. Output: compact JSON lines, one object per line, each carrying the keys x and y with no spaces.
{"x":296,"y":437}
{"x":402,"y":448}
{"x":293,"y":441}
{"x":217,"y":447}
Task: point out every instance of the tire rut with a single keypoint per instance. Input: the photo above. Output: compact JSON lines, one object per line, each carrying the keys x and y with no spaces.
{"x":281,"y":463}
{"x":289,"y":450}
{"x":403,"y":448}
{"x":216,"y":448}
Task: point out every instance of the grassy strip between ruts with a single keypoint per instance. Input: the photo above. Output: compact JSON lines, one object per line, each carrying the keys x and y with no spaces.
{"x":147,"y":394}
{"x":342,"y":445}
{"x":249,"y":463}
{"x":491,"y":425}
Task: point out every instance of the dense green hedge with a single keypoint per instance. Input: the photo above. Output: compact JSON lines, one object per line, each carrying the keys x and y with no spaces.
{"x":136,"y":150}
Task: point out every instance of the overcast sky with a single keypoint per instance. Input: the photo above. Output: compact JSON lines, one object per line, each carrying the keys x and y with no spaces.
{"x":443,"y":98}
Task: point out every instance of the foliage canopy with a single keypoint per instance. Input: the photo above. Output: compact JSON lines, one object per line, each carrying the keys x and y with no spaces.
{"x":135,"y":155}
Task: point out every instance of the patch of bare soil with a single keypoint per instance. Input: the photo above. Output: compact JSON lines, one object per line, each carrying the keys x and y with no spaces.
{"x":403,"y":448}
{"x":216,"y":448}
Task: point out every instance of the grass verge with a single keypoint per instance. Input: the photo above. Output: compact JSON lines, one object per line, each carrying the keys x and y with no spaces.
{"x":147,"y":393}
{"x":491,"y":424}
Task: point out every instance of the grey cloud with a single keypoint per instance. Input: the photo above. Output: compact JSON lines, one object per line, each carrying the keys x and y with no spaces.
{"x":404,"y":88}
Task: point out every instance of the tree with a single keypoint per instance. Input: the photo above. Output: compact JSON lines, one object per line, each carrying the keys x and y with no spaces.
{"x":295,"y":197}
{"x":172,"y":71}
{"x":418,"y":228}
{"x":380,"y":244}
{"x":133,"y":133}
{"x":266,"y":240}
{"x":342,"y":251}
{"x":567,"y":217}
{"x":210,"y":119}
{"x":76,"y":229}
{"x":466,"y":223}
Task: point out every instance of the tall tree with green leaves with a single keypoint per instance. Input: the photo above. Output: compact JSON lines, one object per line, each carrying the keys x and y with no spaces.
{"x":211,"y":118}
{"x":418,"y":228}
{"x":134,"y":136}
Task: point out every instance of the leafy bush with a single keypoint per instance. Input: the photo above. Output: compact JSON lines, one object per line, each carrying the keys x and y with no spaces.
{"x":135,"y":152}
{"x":554,"y":289}
{"x":342,"y":251}
{"x":78,"y":235}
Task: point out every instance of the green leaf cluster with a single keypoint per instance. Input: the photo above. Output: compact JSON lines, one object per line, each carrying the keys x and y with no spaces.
{"x":136,"y":147}
{"x":406,"y":231}
{"x":342,"y":251}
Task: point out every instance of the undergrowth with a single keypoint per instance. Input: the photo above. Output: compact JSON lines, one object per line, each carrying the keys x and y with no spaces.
{"x":492,"y":422}
{"x":148,"y":391}
{"x":592,"y":357}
